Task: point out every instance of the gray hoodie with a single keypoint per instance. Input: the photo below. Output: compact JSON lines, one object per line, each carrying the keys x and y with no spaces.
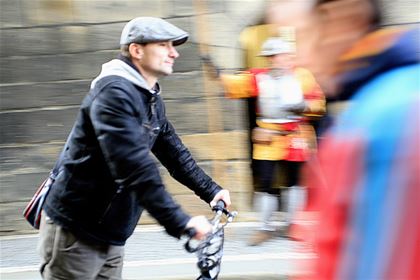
{"x":117,"y":67}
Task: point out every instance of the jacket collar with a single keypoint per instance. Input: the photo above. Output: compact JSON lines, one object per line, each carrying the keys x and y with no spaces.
{"x":379,"y":51}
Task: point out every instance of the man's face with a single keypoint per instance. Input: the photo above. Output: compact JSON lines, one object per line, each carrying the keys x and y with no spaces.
{"x":158,"y":59}
{"x":282,"y":61}
{"x":331,"y":29}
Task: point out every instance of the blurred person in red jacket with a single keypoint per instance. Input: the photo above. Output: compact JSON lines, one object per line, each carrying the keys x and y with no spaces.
{"x":365,"y":183}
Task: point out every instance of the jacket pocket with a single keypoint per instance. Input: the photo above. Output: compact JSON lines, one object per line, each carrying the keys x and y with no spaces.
{"x":109,"y":205}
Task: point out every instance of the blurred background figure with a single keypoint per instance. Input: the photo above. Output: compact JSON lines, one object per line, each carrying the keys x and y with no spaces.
{"x":282,"y":139}
{"x":365,"y":183}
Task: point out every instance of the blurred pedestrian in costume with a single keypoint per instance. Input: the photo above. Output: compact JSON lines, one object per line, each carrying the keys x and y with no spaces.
{"x":286,"y":98}
{"x":367,"y":188}
{"x":106,"y":176}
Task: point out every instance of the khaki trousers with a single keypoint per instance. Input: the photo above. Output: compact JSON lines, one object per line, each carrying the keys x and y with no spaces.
{"x":63,"y":256}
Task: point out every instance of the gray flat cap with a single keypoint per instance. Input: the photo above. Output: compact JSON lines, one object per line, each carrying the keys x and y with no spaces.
{"x":150,"y":29}
{"x":275,"y":45}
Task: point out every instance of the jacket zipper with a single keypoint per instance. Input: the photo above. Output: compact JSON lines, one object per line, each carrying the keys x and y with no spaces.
{"x":120,"y":188}
{"x":153,"y":130}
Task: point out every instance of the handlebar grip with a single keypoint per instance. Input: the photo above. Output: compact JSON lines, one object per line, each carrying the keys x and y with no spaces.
{"x":190,"y":232}
{"x":221,"y":204}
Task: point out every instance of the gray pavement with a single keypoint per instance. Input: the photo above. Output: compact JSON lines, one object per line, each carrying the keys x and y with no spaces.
{"x":152,"y":254}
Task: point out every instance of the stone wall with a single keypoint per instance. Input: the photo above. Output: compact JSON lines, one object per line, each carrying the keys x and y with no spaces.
{"x":51,"y":49}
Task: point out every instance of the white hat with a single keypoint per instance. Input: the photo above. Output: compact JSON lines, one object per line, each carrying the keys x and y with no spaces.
{"x":151,"y":29}
{"x":275,"y":45}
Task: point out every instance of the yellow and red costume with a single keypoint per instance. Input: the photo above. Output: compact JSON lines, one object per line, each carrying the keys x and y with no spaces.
{"x":290,"y":140}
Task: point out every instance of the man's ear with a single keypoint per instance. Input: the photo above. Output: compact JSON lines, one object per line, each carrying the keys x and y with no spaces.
{"x":136,"y":50}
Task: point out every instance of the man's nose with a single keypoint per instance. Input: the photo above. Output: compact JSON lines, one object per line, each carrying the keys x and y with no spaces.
{"x":173,"y":52}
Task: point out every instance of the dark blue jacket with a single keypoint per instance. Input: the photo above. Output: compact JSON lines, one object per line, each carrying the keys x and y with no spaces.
{"x":106,"y":173}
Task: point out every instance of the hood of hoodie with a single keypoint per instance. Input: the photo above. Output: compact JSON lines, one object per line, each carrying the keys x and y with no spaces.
{"x":123,"y":68}
{"x":376,"y":53}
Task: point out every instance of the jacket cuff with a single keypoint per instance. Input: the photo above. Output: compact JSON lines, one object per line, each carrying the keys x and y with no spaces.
{"x":177,"y":227}
{"x":215,"y":191}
